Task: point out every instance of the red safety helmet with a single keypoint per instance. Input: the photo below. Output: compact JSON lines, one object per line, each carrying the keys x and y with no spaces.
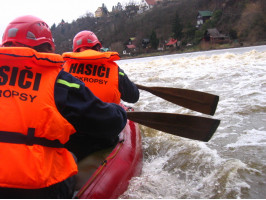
{"x":28,"y":30}
{"x":85,"y":39}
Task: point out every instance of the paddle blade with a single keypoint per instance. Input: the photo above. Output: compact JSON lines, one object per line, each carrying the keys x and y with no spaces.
{"x":192,"y":127}
{"x":198,"y":101}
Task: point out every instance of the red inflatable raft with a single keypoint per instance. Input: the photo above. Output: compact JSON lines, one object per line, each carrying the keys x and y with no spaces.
{"x":111,"y":178}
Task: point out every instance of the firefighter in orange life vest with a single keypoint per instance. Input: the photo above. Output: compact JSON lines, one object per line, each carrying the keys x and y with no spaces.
{"x":41,"y":107}
{"x":103,"y":77}
{"x":98,"y":70}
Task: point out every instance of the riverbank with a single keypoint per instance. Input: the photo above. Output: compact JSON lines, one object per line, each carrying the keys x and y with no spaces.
{"x":196,"y":48}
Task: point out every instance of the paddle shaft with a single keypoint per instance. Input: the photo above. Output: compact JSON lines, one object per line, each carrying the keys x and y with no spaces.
{"x":192,"y":127}
{"x":198,"y":101}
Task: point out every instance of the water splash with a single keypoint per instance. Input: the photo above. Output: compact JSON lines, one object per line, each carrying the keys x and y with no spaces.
{"x":232,"y":164}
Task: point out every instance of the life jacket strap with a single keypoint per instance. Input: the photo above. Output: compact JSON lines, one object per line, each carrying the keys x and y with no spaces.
{"x":29,"y":139}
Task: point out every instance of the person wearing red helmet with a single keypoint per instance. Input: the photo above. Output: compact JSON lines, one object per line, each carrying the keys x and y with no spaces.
{"x":42,"y":106}
{"x":103,"y":77}
{"x":29,"y":31}
{"x":109,"y":89}
{"x":86,"y":40}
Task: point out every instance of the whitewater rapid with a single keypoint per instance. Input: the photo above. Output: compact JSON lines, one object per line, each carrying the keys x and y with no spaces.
{"x":233,"y":163}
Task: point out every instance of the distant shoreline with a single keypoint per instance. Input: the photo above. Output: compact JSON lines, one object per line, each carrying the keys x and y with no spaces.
{"x":190,"y":50}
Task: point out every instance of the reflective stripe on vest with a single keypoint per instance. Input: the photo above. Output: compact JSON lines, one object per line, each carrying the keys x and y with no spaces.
{"x":27,"y":80}
{"x":97,"y":70}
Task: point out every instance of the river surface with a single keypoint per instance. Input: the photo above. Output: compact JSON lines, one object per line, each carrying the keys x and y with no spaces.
{"x":233,"y":163}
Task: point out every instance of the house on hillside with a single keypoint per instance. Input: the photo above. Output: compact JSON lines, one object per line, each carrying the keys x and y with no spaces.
{"x":214,"y":36}
{"x":172,"y":42}
{"x":131,"y":40}
{"x":130,"y":49}
{"x":99,"y":12}
{"x":145,"y":42}
{"x":146,"y":5}
{"x":202,"y":17}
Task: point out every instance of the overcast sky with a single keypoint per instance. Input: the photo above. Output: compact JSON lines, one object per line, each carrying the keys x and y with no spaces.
{"x":51,"y":11}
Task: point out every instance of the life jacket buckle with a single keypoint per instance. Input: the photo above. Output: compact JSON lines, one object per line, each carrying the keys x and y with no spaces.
{"x":30,"y":136}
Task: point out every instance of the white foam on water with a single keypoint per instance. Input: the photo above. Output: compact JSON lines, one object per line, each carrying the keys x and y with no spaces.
{"x":186,"y":169}
{"x":222,"y":168}
{"x":250,"y":138}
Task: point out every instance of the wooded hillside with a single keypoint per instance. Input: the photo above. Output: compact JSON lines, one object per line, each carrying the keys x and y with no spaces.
{"x":242,"y":20}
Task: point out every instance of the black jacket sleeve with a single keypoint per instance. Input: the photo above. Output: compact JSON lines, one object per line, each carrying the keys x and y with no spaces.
{"x":88,"y":114}
{"x":129,"y":91}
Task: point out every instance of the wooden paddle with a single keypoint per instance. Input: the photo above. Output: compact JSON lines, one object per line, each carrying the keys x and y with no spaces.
{"x":192,"y":127}
{"x":198,"y":101}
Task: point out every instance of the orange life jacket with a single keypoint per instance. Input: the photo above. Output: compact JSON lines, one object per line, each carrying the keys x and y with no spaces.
{"x":97,"y":70}
{"x":32,"y":130}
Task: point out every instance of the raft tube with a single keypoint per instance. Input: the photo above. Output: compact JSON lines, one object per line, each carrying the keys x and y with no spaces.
{"x":111,"y":179}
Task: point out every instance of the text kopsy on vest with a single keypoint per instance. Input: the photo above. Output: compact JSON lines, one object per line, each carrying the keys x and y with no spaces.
{"x":98,"y":72}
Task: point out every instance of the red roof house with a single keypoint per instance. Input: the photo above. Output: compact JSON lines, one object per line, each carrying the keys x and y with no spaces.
{"x":131,"y":46}
{"x":171,"y":42}
{"x":151,"y":2}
